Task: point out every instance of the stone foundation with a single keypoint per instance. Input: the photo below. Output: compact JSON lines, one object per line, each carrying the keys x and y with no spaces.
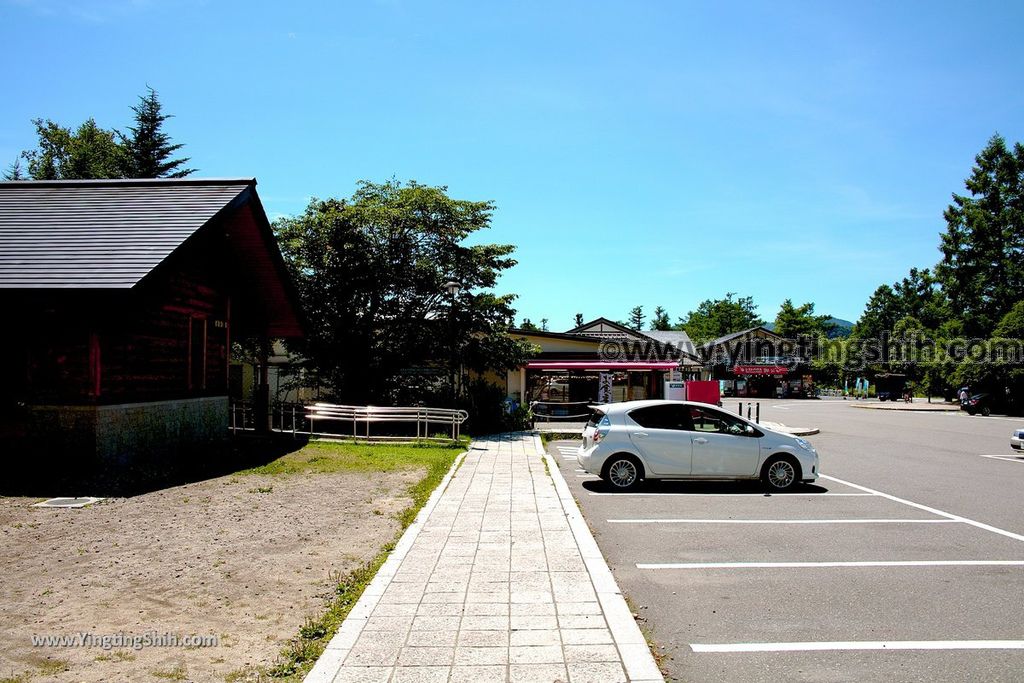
{"x":128,"y":432}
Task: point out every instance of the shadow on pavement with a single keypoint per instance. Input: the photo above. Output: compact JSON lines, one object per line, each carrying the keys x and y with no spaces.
{"x":702,"y":487}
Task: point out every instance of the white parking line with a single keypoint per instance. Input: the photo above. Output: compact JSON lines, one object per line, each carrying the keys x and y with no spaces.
{"x":818,"y":565}
{"x":777,"y":496}
{"x":861,"y":645}
{"x":783,"y":521}
{"x":1007,"y":458}
{"x":948,"y":515}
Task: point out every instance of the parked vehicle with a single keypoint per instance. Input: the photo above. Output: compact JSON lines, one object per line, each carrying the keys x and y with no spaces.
{"x":890,"y":386}
{"x":627,"y":443}
{"x":1017,"y":440}
{"x":979,"y":403}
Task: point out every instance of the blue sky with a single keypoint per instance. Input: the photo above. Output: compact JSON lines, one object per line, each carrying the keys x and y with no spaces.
{"x":639,"y":153}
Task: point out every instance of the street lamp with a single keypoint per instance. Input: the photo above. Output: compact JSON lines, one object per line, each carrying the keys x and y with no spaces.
{"x":452,"y":287}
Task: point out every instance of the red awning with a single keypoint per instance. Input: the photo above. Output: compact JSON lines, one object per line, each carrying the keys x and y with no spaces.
{"x":600,"y":365}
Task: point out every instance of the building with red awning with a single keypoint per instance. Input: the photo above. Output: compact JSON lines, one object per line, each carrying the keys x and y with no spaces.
{"x":599,"y":362}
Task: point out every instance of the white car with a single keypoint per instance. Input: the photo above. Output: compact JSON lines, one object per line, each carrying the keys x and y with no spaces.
{"x":1017,"y":440}
{"x":626,"y":443}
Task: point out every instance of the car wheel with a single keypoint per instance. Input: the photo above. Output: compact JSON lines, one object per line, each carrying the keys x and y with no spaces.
{"x":780,"y":473}
{"x":623,"y":472}
{"x":986,"y":411}
{"x":972,"y":412}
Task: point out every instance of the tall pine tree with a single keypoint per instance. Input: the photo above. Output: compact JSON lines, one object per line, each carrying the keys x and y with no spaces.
{"x":149,"y":148}
{"x":982,"y":268}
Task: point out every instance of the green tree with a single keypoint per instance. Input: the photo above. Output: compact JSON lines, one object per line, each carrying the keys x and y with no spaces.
{"x":799,"y":321}
{"x":920,"y":296}
{"x":718,"y":317}
{"x":636,"y":317}
{"x":529,"y":325}
{"x":14,"y":171}
{"x":880,"y":314}
{"x":982,"y":267}
{"x":544,"y":324}
{"x":371,"y":273}
{"x":92,"y":152}
{"x":660,"y":321}
{"x":87,"y":152}
{"x":148,"y":149}
{"x":578,"y":320}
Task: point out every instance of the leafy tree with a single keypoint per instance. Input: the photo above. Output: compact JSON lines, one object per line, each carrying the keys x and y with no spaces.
{"x":799,"y":321}
{"x":148,"y":148}
{"x":371,"y":271}
{"x":719,"y":317}
{"x":88,"y":152}
{"x":529,"y":325}
{"x":636,"y":317}
{"x":660,"y":321}
{"x":578,"y":320}
{"x":982,"y":267}
{"x":92,"y":152}
{"x":543,"y":324}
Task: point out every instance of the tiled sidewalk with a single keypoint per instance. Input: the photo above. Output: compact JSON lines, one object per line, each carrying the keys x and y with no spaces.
{"x":498,"y":580}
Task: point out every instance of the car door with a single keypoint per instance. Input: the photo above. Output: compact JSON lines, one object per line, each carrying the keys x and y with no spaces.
{"x":662,"y":434}
{"x":721,"y":445}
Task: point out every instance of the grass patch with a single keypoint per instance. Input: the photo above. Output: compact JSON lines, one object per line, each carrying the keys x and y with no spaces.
{"x":45,"y":669}
{"x":178,"y":673}
{"x":117,"y":656}
{"x":296,"y":660}
{"x":548,"y":437}
{"x":327,"y":456}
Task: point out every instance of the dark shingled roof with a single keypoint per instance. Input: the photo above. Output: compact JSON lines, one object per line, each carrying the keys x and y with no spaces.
{"x":101,"y":233}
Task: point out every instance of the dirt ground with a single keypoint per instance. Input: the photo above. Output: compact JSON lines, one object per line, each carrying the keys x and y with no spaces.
{"x":242,"y":557}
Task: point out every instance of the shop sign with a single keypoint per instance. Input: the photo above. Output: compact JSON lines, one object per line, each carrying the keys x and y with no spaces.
{"x":759,"y":370}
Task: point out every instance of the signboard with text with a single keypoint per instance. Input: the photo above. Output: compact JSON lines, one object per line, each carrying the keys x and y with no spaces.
{"x":759,"y":370}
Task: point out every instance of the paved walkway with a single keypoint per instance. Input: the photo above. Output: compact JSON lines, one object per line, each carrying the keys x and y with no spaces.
{"x":499,"y":579}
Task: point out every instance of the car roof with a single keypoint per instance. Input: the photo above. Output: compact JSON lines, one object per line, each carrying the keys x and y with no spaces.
{"x":626,"y":406}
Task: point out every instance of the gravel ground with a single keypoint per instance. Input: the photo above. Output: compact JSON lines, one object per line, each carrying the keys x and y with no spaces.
{"x":243,"y":557}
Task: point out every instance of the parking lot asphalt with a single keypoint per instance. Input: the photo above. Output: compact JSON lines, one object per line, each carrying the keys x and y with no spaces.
{"x":905,"y":561}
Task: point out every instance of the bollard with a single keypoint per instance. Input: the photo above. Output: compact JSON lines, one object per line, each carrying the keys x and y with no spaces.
{"x":757,"y":413}
{"x":748,"y":410}
{"x":740,"y":409}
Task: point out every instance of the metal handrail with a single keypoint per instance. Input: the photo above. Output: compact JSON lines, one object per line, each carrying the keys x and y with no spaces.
{"x":423,"y":417}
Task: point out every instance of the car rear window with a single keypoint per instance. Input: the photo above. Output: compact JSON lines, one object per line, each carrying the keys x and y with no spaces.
{"x":595,"y":417}
{"x":663,"y":417}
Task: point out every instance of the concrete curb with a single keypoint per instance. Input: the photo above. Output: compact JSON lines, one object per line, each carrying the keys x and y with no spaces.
{"x":633,"y":649}
{"x":794,"y":431}
{"x":904,"y":409}
{"x":327,"y":666}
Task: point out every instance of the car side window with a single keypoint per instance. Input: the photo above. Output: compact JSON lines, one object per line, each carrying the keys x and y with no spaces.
{"x":663,"y":417}
{"x":705,"y":420}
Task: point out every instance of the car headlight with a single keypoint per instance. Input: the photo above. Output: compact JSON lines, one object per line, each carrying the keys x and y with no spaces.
{"x":806,"y":445}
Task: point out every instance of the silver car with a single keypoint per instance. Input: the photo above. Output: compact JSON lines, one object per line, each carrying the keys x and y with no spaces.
{"x":1017,"y":440}
{"x":626,"y":443}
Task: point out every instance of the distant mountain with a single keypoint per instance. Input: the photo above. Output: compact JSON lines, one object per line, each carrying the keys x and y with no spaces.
{"x":842,"y":327}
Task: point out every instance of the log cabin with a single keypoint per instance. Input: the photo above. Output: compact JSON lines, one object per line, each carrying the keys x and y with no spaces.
{"x":121,"y":299}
